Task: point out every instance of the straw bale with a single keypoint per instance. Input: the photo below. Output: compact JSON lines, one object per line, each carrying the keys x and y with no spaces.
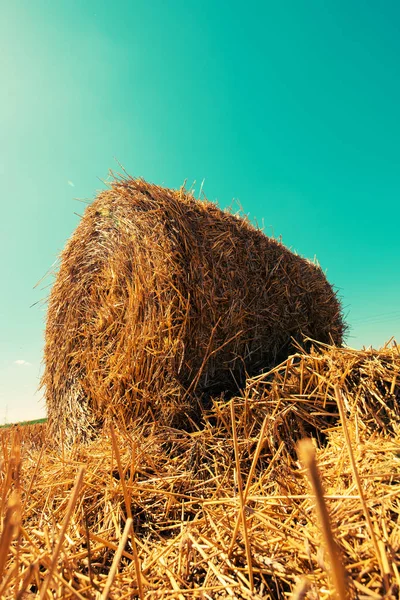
{"x":182,"y":491}
{"x":161,"y":300}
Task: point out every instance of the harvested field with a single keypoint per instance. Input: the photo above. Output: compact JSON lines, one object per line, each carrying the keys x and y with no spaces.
{"x":162,"y":302}
{"x":225,"y":511}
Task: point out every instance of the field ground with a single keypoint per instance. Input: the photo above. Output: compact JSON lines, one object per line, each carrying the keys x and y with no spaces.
{"x":23,"y":423}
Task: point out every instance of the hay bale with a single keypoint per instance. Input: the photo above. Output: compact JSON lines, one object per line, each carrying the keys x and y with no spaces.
{"x":161,"y":299}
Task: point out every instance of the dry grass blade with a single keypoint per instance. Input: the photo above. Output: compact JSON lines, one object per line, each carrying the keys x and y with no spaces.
{"x":301,"y":590}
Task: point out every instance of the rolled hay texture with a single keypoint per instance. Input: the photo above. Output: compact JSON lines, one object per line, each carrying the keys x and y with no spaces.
{"x":162,"y":300}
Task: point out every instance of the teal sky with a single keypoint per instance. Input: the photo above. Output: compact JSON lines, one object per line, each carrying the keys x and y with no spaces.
{"x":290,"y":107}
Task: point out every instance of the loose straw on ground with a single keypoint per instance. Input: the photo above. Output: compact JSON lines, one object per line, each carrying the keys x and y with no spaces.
{"x":184,"y":496}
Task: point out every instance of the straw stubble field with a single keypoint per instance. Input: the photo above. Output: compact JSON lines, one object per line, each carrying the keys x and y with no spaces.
{"x":225,"y":511}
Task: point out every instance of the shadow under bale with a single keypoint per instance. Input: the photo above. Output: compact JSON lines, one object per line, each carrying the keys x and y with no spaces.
{"x":162,"y":300}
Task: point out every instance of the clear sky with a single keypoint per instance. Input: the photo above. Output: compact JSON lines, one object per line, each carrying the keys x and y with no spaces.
{"x":291,"y":107}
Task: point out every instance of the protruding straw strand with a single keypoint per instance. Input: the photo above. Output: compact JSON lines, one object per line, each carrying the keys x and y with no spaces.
{"x":242,"y":504}
{"x":71,"y":504}
{"x":307,"y":457}
{"x":249,"y":480}
{"x":121,"y":473}
{"x":117,"y":558}
{"x":357,"y":480}
{"x":10,"y":527}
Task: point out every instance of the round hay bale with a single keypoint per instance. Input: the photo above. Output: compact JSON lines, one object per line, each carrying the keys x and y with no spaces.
{"x":161,"y":300}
